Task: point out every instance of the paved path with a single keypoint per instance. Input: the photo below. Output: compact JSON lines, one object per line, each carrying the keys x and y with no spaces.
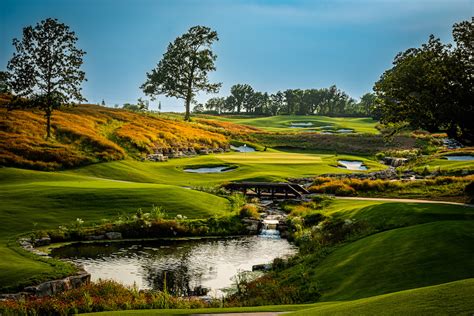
{"x":244,"y":314}
{"x":401,"y":200}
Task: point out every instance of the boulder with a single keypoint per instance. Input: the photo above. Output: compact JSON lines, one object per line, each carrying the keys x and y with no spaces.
{"x":42,"y":241}
{"x":113,"y":235}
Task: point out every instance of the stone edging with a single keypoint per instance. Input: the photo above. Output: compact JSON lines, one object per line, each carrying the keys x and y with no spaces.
{"x":49,"y":287}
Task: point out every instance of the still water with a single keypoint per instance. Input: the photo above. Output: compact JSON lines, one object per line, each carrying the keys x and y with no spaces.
{"x":187,"y":265}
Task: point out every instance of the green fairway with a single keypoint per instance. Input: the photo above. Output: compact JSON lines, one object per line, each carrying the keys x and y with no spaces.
{"x":390,"y":261}
{"x":445,"y":165}
{"x":263,"y":166}
{"x":384,"y":215}
{"x":282,"y":123}
{"x":454,"y":298}
{"x":31,"y":200}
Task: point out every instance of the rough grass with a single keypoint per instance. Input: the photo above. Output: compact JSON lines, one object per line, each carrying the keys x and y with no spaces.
{"x":441,"y":188}
{"x":91,"y":133}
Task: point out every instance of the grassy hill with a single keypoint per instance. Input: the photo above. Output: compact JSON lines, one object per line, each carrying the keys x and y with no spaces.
{"x":89,"y":133}
{"x":282,"y":123}
{"x":453,"y":298}
{"x":31,"y":200}
{"x":417,"y":245}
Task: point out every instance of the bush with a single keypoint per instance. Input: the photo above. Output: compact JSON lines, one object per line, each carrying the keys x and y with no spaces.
{"x":249,"y":211}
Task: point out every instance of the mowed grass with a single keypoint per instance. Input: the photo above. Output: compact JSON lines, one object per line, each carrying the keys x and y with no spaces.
{"x":282,"y":123}
{"x":445,"y":165}
{"x":452,"y":298}
{"x":31,"y":200}
{"x":386,"y":215}
{"x":390,"y":261}
{"x":257,"y":166}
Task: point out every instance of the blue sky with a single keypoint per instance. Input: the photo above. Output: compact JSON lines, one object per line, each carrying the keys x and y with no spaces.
{"x":272,"y":45}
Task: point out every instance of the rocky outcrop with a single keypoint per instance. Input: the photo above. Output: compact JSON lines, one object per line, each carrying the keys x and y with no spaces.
{"x":57,"y":286}
{"x":394,"y":161}
{"x":252,"y":225}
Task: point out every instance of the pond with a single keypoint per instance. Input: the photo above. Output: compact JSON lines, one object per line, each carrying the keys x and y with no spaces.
{"x":188,"y":265}
{"x":216,"y":169}
{"x":344,"y":131}
{"x":352,"y":165}
{"x":460,"y":158}
{"x":243,"y":149}
{"x":300,"y":124}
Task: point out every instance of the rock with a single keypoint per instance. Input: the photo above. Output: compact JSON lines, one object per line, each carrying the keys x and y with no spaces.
{"x":203,"y":151}
{"x":251,"y":225}
{"x":113,"y":235}
{"x":394,"y":161}
{"x":262,"y":267}
{"x":80,"y":279}
{"x":15,"y":296}
{"x":42,"y":241}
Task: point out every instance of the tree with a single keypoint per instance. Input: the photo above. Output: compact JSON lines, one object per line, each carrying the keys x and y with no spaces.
{"x":432,"y":87}
{"x":4,"y":82}
{"x":215,"y":104}
{"x":242,"y":97}
{"x":183,"y":70}
{"x":45,"y":69}
{"x":367,"y":104}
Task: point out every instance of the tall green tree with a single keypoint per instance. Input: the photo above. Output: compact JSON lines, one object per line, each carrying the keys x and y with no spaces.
{"x":431,"y":87}
{"x":183,"y":70}
{"x":242,"y":95}
{"x":45,"y":68}
{"x":215,"y":104}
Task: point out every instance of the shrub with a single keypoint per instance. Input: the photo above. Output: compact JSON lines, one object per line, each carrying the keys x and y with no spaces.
{"x":249,"y":211}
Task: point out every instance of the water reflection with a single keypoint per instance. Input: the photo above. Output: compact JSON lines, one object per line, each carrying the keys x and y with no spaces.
{"x":184,"y":267}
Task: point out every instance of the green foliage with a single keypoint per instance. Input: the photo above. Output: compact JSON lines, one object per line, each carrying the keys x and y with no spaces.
{"x":49,"y":78}
{"x":249,"y":211}
{"x":431,"y":87}
{"x":183,"y":70}
{"x":97,"y":297}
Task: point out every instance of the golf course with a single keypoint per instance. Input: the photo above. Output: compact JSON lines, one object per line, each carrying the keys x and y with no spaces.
{"x":197,"y":158}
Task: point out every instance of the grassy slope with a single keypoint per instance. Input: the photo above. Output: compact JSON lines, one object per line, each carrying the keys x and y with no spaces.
{"x":282,"y":123}
{"x":385,"y":215}
{"x":33,"y":200}
{"x":271,"y":166}
{"x":393,"y":260}
{"x":434,"y":246}
{"x":453,"y":298}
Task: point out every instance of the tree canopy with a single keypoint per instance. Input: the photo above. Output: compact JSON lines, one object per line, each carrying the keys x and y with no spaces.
{"x":45,"y":68}
{"x":431,"y":87}
{"x":183,"y":70}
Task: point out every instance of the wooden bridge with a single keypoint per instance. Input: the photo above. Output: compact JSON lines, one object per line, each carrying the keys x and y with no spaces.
{"x":275,"y":190}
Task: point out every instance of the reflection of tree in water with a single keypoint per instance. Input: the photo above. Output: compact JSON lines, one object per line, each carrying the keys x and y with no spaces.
{"x":172,"y":271}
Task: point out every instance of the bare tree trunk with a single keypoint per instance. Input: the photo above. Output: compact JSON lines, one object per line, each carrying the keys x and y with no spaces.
{"x":48,"y":124}
{"x":187,"y":116}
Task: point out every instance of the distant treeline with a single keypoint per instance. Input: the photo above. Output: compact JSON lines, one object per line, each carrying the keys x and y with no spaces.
{"x":326,"y":101}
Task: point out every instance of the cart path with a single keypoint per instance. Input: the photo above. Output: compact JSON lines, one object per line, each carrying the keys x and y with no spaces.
{"x":401,"y":200}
